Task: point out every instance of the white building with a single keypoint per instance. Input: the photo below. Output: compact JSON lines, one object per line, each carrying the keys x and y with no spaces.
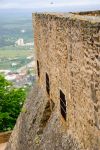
{"x":19,"y":42}
{"x":14,"y":64}
{"x":10,"y":77}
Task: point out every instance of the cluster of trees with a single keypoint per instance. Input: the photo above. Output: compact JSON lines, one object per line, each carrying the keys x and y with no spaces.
{"x":11,"y":102}
{"x":5,"y":42}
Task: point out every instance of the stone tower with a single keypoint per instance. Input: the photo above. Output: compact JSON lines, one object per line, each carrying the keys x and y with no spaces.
{"x":63,"y":110}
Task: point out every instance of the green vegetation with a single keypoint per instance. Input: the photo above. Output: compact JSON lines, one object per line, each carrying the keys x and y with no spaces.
{"x":11,"y":102}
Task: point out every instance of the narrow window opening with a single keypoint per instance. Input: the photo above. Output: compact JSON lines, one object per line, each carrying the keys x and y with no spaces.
{"x":63,"y":104}
{"x":47,"y":84}
{"x":38,"y":68}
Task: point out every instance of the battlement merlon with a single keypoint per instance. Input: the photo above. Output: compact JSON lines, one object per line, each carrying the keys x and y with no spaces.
{"x":92,"y":17}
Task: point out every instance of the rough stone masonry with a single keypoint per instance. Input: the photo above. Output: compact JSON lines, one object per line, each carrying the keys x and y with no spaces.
{"x":63,"y":110}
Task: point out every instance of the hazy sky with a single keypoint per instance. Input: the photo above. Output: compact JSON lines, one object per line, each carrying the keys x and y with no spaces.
{"x":46,"y":3}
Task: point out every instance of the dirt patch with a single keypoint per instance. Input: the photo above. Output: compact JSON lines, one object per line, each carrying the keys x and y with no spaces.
{"x":3,"y":146}
{"x":4,"y":136}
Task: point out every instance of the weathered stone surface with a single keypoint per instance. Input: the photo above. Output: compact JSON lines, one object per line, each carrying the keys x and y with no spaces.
{"x":68,"y":49}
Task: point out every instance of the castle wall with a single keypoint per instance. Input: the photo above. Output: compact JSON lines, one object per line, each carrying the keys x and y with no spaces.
{"x":89,"y":13}
{"x":68,"y":49}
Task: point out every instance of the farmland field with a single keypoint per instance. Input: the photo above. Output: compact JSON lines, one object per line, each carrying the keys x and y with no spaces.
{"x":15,"y":53}
{"x":8,"y":57}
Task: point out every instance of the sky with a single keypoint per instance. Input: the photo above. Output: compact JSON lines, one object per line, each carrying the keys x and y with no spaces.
{"x":49,"y":4}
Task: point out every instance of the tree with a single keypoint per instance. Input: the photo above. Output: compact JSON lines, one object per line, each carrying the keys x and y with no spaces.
{"x":11,"y":101}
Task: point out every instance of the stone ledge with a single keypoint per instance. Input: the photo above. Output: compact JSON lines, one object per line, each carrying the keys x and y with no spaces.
{"x":73,"y":16}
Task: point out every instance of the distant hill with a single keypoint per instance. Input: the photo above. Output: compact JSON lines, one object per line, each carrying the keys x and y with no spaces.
{"x":15,"y":24}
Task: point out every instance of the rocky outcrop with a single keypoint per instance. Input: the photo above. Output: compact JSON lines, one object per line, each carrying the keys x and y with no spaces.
{"x":39,"y":128}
